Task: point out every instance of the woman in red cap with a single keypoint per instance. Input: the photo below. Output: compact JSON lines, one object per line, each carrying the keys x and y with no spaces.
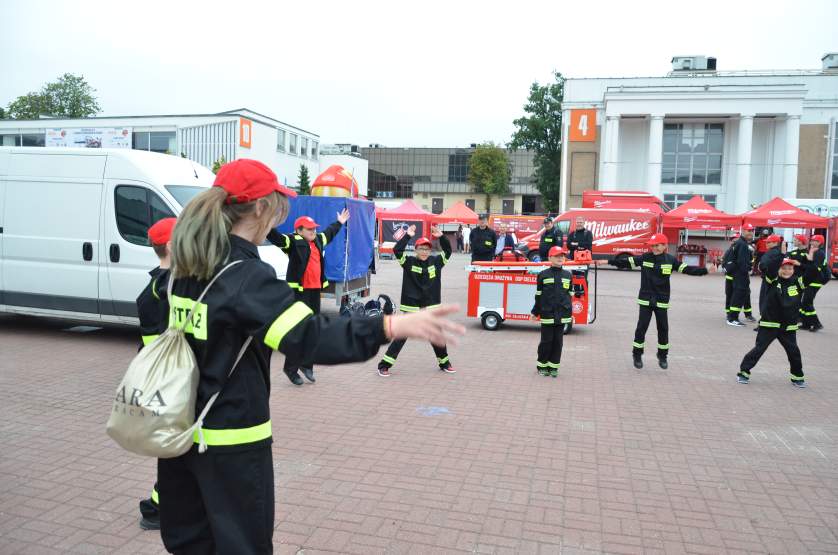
{"x":778,"y":320}
{"x":306,"y":273}
{"x":656,"y":267}
{"x":222,"y":501}
{"x":816,"y":274}
{"x":421,"y":289}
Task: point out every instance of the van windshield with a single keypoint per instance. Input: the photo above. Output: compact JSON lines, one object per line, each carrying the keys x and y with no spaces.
{"x":184,"y":193}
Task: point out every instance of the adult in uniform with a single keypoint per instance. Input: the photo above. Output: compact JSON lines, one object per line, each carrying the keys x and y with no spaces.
{"x":222,"y":501}
{"x":421,"y":289}
{"x":739,"y":268}
{"x":306,"y":273}
{"x":778,"y":314}
{"x":552,"y":237}
{"x":656,"y":267}
{"x":483,"y":241}
{"x":815,"y":275}
{"x":726,"y":260}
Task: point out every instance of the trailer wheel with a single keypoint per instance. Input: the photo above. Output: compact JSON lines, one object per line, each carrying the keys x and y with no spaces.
{"x":533,"y":256}
{"x":568,"y":327}
{"x":491,"y":321}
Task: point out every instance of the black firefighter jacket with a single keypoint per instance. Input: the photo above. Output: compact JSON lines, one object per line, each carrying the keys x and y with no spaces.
{"x":299,"y":252}
{"x":421,"y":281}
{"x":552,"y":296}
{"x":655,"y":271}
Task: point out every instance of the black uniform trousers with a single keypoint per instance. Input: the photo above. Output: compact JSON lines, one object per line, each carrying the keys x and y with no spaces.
{"x":550,"y":346}
{"x":643,"y":320}
{"x":389,"y":358}
{"x":729,"y":296}
{"x":808,"y":314}
{"x":482,"y":257}
{"x":311,"y":298}
{"x":765,"y":336}
{"x":741,"y":297}
{"x":217,"y":502}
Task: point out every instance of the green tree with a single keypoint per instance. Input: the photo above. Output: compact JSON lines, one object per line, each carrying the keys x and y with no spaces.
{"x":541,"y":131}
{"x":70,"y":97}
{"x":218,"y":163}
{"x":489,"y":171}
{"x":304,"y":180}
{"x":2,"y":113}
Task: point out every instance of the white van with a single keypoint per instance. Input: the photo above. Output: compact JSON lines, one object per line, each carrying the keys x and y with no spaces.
{"x":73,"y":225}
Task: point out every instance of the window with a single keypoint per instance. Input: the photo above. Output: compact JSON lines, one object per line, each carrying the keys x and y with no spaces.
{"x":303,"y":147}
{"x":137,"y":209}
{"x":280,"y":140}
{"x":470,"y":203}
{"x":164,"y":142}
{"x":292,"y":144}
{"x":833,"y":193}
{"x":674,"y":201}
{"x":692,"y":153}
{"x":184,"y":193}
{"x":314,"y":149}
{"x":25,"y":139}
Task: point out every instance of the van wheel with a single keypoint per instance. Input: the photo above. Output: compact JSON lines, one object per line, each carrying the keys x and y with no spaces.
{"x":491,"y":321}
{"x":532,"y":256}
{"x":568,"y":328}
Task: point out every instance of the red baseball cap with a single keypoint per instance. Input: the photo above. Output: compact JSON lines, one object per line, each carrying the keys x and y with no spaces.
{"x":819,"y":238}
{"x":556,"y":251}
{"x":802,"y":238}
{"x":422,"y":241}
{"x":304,"y":221}
{"x":788,"y":261}
{"x":658,"y":239}
{"x":247,"y":180}
{"x":748,"y":227}
{"x":773,"y":239}
{"x":161,"y":232}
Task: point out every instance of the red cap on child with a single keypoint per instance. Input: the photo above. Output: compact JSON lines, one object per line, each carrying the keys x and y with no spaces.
{"x":748,"y":227}
{"x":422,"y":241}
{"x":773,"y":239}
{"x":802,"y":238}
{"x":304,"y":221}
{"x":161,"y":232}
{"x":556,"y":251}
{"x":819,"y":238}
{"x":787,"y":261}
{"x":658,"y":239}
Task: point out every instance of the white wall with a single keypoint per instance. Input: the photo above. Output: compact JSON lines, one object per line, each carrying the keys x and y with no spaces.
{"x":632,"y":154}
{"x":358,"y":166}
{"x":286,"y":166}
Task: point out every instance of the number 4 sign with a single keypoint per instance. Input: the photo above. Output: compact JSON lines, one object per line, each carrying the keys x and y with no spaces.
{"x":583,"y":126}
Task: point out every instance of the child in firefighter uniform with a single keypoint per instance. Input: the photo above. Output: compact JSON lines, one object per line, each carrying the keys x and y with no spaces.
{"x":553,"y":306}
{"x":816,"y":274}
{"x":769,"y":264}
{"x":421,"y":289}
{"x":656,"y":267}
{"x":152,"y":315}
{"x":779,"y":313}
{"x":306,"y":271}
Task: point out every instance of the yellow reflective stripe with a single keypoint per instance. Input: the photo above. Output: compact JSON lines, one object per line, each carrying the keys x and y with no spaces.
{"x":442,"y":360}
{"x":234,"y":436}
{"x":805,"y":313}
{"x":325,"y":239}
{"x":769,"y":324}
{"x":632,"y":263}
{"x":547,"y":321}
{"x":325,"y":284}
{"x":298,"y":237}
{"x":430,"y":306}
{"x":567,"y":320}
{"x":648,"y":264}
{"x":797,"y":378}
{"x":487,"y":243}
{"x":286,"y":321}
{"x":769,"y":280}
{"x":149,"y":338}
{"x":287,"y":241}
{"x":548,"y":239}
{"x":417,"y":269}
{"x":793,"y":327}
{"x":403,"y":259}
{"x":662,"y":305}
{"x":431,"y":272}
{"x":540,"y":364}
{"x":408,"y":308}
{"x":154,"y":289}
{"x":295,"y":285}
{"x":538,"y":293}
{"x":729,"y":277}
{"x":815,"y":284}
{"x":549,"y":280}
{"x":641,"y":302}
{"x":667,"y":267}
{"x":155,"y":496}
{"x":553,"y":365}
{"x":388,"y":359}
{"x":682,"y":267}
{"x":444,"y":258}
{"x":663,"y":347}
{"x":637,"y":345}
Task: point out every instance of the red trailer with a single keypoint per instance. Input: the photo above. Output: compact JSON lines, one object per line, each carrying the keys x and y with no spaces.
{"x":500,"y":291}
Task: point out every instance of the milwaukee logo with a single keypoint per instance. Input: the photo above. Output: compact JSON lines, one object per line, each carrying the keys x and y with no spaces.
{"x":602,"y":229}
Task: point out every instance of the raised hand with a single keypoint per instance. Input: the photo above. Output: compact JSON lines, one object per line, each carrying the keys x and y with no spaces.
{"x":435,"y":232}
{"x":343,"y":217}
{"x":411,"y":231}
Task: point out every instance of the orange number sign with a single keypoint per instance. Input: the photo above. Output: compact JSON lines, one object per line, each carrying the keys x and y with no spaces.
{"x":245,"y":132}
{"x":583,"y":126}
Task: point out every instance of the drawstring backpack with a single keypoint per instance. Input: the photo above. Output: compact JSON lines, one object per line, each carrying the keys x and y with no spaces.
{"x":153,"y":413}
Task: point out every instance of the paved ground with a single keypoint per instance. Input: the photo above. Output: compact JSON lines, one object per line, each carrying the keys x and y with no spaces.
{"x":604,"y":459}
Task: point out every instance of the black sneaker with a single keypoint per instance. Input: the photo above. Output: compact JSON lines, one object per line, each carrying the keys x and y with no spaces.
{"x":742,"y":379}
{"x":309,"y":374}
{"x":150,"y":523}
{"x":818,"y":326}
{"x":750,"y":318}
{"x":800,"y":384}
{"x":384,"y":371}
{"x":663,"y":363}
{"x":294,"y":377}
{"x":638,"y":362}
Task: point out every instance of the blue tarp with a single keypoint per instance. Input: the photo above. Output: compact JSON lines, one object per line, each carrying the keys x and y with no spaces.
{"x":357,"y":251}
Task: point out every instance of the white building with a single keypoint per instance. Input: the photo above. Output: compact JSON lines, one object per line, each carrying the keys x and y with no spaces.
{"x":204,"y":138}
{"x":738,"y":138}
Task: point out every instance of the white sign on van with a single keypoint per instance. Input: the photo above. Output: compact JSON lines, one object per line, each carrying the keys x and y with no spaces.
{"x":90,"y":137}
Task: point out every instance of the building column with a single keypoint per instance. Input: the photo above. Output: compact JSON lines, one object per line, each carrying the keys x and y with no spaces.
{"x":743,"y":164}
{"x":790,"y":160}
{"x":564,"y":184}
{"x":612,"y":152}
{"x":653,"y":168}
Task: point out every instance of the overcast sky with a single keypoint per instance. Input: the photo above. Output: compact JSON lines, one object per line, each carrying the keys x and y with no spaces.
{"x":397,"y":73}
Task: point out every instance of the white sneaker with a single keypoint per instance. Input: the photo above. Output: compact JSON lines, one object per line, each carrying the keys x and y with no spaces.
{"x":735,"y":323}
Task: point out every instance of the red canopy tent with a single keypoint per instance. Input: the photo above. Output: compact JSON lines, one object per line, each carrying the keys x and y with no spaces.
{"x":779,"y":213}
{"x":459,"y":213}
{"x":393,"y":224}
{"x":697,"y":214}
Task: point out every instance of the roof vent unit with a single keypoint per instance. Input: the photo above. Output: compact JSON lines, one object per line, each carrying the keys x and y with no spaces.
{"x":830,"y":62}
{"x":693,"y":63}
